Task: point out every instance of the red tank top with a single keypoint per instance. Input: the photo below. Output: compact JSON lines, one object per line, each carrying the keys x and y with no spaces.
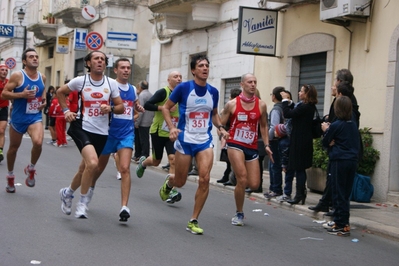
{"x":244,"y":126}
{"x":3,"y":103}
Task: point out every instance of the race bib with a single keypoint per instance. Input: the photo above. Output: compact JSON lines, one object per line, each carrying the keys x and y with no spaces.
{"x":244,"y":134}
{"x":128,"y":112}
{"x":92,"y":109}
{"x":32,"y":106}
{"x":165,"y":127}
{"x":198,"y":122}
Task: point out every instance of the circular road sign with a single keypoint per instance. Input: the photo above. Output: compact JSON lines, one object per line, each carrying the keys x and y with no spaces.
{"x":94,"y":40}
{"x":11,"y":63}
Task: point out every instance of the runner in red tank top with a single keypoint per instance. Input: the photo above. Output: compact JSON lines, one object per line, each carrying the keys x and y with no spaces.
{"x":246,"y":113}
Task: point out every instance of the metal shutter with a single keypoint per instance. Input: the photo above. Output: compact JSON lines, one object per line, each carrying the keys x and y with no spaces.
{"x":313,"y":71}
{"x":230,"y":84}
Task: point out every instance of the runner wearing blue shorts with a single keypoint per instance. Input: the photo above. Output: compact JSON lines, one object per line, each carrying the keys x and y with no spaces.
{"x":198,"y":103}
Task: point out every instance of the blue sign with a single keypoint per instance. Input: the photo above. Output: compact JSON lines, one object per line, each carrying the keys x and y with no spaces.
{"x":7,"y":31}
{"x":122,"y":36}
{"x":80,"y":39}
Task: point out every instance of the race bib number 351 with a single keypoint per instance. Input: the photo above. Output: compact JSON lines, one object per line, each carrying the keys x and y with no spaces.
{"x":198,"y":122}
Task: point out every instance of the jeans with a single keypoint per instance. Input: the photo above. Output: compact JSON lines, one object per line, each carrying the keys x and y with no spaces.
{"x":275,"y":170}
{"x":289,"y":177}
{"x":327,"y":197}
{"x":342,"y":176}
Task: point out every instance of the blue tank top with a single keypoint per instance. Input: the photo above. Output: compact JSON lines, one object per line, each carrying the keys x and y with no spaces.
{"x":122,"y":125}
{"x":26,"y":110}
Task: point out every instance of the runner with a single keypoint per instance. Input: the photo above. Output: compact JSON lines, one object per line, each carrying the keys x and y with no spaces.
{"x":198,"y":103}
{"x":89,"y":126}
{"x":27,"y":91}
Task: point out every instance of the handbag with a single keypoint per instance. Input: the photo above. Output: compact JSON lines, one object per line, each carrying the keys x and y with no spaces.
{"x":316,"y":125}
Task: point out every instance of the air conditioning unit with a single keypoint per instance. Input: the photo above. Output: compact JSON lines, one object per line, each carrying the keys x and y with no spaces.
{"x":344,"y":9}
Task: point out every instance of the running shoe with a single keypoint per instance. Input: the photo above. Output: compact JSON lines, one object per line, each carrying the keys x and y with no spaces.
{"x":140,"y":168}
{"x":165,"y":190}
{"x":10,"y":188}
{"x":81,"y":211}
{"x":340,"y":230}
{"x":193,"y":227}
{"x":238,"y":219}
{"x":174,"y":196}
{"x":30,"y":179}
{"x":118,"y":176}
{"x":124,"y":214}
{"x":66,"y":202}
{"x":1,"y":155}
{"x":329,"y":225}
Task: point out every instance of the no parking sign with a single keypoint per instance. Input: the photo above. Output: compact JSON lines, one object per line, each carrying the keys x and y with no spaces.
{"x":94,"y":40}
{"x":11,"y":62}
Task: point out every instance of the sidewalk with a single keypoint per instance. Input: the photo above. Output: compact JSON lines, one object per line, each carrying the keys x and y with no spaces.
{"x":375,"y":218}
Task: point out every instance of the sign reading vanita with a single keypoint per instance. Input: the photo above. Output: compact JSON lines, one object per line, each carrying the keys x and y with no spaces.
{"x":257,"y":31}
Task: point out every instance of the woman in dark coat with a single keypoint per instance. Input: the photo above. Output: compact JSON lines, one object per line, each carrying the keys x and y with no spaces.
{"x":301,"y":145}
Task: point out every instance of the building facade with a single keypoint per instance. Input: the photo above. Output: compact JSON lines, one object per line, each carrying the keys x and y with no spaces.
{"x":52,"y":25}
{"x":314,"y":40}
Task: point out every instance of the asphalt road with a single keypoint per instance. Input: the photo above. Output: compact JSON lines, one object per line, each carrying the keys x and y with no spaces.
{"x":35,"y":231}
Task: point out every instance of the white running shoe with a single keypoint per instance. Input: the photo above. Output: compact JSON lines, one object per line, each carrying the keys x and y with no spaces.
{"x":66,"y":202}
{"x":118,"y":176}
{"x":124,"y":214}
{"x":81,"y":211}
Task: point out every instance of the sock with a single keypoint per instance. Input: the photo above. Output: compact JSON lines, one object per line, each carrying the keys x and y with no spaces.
{"x":193,"y":220}
{"x":10,"y":173}
{"x":69,"y":191}
{"x":168,"y":186}
{"x":31,"y":166}
{"x":84,"y":198}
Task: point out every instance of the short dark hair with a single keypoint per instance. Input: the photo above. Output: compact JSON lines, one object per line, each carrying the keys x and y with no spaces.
{"x":196,"y":58}
{"x":345,"y":89}
{"x":27,"y":51}
{"x":343,"y":108}
{"x":234,"y":92}
{"x":344,"y":75}
{"x":123,"y":59}
{"x":277,"y":93}
{"x":90,"y":55}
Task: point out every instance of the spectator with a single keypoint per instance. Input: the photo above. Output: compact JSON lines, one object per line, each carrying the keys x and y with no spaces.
{"x":342,"y":140}
{"x":301,"y":145}
{"x":143,"y":124}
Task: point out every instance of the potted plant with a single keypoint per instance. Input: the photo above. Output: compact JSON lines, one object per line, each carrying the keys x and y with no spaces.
{"x":49,"y":17}
{"x":317,"y":173}
{"x":370,"y":155}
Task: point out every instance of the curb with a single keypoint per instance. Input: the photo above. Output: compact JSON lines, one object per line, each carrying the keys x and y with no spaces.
{"x":365,"y":225}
